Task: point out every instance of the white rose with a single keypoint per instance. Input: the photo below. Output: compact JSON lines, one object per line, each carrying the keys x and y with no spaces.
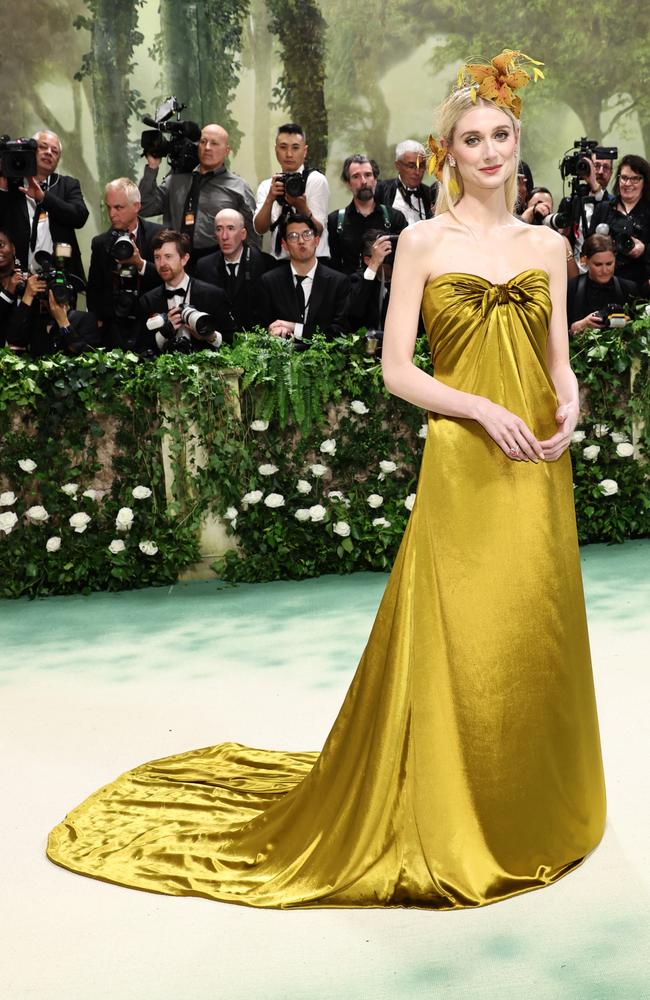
{"x":53,"y":544}
{"x":253,"y":497}
{"x":341,"y":528}
{"x":617,"y":437}
{"x":424,"y":430}
{"x":7,"y":499}
{"x":259,"y":425}
{"x":601,"y":430}
{"x":625,"y":449}
{"x":303,"y":486}
{"x":70,"y":489}
{"x":647,"y":310}
{"x":274,"y":500}
{"x":141,"y":493}
{"x":302,"y":514}
{"x":608,"y":487}
{"x":317,"y":512}
{"x":387,"y":466}
{"x":231,"y":514}
{"x":591,"y":452}
{"x":148,"y":548}
{"x":318,"y":470}
{"x":380,"y":522}
{"x":358,"y":407}
{"x":37,"y":514}
{"x":328,"y":447}
{"x":267,"y":470}
{"x":124,"y":519}
{"x":337,"y":495}
{"x":116,"y":546}
{"x":79,"y":521}
{"x":410,"y":500}
{"x":91,"y":494}
{"x":375,"y":500}
{"x":27,"y":465}
{"x":8,"y":521}
{"x":578,"y":437}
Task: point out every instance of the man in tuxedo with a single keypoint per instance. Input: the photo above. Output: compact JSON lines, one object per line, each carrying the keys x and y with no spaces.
{"x":161,"y":308}
{"x":370,"y":286}
{"x":117,"y":278}
{"x":236,"y":267}
{"x":346,"y":227}
{"x":302,"y":295}
{"x":406,"y":192}
{"x":46,"y":209}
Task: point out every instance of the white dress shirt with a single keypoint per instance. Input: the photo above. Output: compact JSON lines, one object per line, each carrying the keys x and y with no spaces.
{"x":317,"y":193}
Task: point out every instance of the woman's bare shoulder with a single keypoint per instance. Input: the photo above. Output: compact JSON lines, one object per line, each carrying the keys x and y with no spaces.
{"x":426,"y":229}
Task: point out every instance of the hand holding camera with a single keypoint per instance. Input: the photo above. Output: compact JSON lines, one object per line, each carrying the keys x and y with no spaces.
{"x":381,"y":249}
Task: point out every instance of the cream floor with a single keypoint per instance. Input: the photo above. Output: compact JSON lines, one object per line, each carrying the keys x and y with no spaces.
{"x":91,"y":686}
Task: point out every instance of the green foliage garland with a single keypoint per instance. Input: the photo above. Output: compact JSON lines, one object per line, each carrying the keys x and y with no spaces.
{"x":314,"y":474}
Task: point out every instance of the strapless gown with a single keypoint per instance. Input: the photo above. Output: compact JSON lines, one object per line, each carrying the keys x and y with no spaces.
{"x":464,"y":766}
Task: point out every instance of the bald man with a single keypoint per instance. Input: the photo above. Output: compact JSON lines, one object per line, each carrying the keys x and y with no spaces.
{"x":189,"y":202}
{"x":46,"y":208}
{"x":236,"y":267}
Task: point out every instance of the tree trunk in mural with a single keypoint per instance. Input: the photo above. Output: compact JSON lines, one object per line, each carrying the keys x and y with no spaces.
{"x":300,"y":29}
{"x":259,"y":60}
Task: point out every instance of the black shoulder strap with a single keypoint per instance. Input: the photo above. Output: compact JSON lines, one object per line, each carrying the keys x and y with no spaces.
{"x":386,"y":215}
{"x":340,"y":219}
{"x":580,"y":301}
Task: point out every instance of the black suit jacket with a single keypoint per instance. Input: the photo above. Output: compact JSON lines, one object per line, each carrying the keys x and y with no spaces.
{"x":241,"y":298}
{"x":100,"y":289}
{"x":202,"y":296}
{"x":327,"y":301}
{"x":66,"y":209}
{"x":386,"y":191}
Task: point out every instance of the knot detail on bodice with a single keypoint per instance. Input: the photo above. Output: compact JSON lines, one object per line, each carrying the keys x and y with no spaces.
{"x":501,"y":295}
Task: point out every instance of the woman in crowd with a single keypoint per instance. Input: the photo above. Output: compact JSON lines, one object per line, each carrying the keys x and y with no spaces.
{"x":464,"y":766}
{"x":627,"y":219}
{"x":598,"y":288}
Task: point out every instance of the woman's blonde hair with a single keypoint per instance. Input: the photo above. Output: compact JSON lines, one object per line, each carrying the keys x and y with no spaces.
{"x":450,"y":190}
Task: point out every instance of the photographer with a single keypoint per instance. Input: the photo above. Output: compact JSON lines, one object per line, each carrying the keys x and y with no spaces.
{"x":592,"y":295}
{"x":31,"y":318}
{"x":297,"y":190}
{"x":627,"y":221}
{"x":302,"y":294}
{"x":183,"y":314}
{"x":370,"y":285}
{"x":121,"y":266}
{"x":539,"y":212}
{"x":188,"y":202}
{"x":46,"y":208}
{"x":346,"y":228}
{"x":406,"y":192}
{"x":236,"y":268}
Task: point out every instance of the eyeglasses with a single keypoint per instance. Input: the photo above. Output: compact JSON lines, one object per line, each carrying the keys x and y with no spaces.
{"x":307,"y":236}
{"x":418,"y":165}
{"x":630,"y":179}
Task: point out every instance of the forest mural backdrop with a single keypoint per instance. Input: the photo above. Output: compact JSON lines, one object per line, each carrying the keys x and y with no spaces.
{"x":359,"y":77}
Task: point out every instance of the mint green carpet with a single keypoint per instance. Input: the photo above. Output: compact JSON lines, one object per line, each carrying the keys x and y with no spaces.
{"x":91,"y":686}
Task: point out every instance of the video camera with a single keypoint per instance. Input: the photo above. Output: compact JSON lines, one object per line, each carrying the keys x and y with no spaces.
{"x":17,"y":158}
{"x":51,"y":267}
{"x":578,"y":161}
{"x":180,"y":340}
{"x":180,"y":147}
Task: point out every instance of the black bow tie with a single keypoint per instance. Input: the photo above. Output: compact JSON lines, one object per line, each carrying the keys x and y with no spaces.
{"x":171,"y":293}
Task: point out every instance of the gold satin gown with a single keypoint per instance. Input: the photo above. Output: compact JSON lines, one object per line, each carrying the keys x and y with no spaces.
{"x":464,"y":766}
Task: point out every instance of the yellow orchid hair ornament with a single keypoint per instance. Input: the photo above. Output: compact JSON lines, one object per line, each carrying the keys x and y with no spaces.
{"x":497,"y":80}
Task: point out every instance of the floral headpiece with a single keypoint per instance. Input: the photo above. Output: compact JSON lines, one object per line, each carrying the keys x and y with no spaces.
{"x":495,"y":81}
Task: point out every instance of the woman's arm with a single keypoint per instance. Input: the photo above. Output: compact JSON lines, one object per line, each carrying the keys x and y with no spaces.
{"x":557,"y":354}
{"x":404,"y":379}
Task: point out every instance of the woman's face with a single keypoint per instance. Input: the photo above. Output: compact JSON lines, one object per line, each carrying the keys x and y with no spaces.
{"x":7,"y":252}
{"x":484,"y":147}
{"x":601,"y":267}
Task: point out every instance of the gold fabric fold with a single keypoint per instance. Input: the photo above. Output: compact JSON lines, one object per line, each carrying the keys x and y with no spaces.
{"x":464,"y":766}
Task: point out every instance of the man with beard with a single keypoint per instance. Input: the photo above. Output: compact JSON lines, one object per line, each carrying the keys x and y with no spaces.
{"x":347,"y":226}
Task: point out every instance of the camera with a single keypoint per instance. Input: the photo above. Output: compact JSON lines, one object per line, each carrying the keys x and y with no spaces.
{"x":121,"y":247}
{"x":294,"y":185}
{"x":622,"y":235}
{"x":556,"y":220}
{"x":578,"y":161}
{"x":612,"y":315}
{"x":180,"y":146}
{"x":374,"y":342}
{"x":198,"y":322}
{"x":125,"y":292}
{"x":17,"y":158}
{"x":51,"y":267}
